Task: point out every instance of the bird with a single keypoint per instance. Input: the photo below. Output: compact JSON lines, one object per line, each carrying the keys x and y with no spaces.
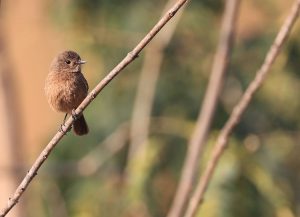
{"x":66,"y":87}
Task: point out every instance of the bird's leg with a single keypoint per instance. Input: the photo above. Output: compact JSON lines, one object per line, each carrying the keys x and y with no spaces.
{"x":63,"y":124}
{"x":74,"y":115}
{"x":65,"y":119}
{"x":61,"y":128}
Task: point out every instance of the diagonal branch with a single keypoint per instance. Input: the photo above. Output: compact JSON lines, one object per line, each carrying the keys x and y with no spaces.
{"x":113,"y":143}
{"x":10,"y":131}
{"x":198,"y":138}
{"x":91,"y":96}
{"x":240,"y":108}
{"x":154,"y":55}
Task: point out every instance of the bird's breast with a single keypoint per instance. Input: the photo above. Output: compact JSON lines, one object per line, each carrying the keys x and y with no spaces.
{"x":65,"y":91}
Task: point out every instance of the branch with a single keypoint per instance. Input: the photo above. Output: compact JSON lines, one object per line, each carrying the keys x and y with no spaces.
{"x":154,"y":55}
{"x":91,"y":162}
{"x":10,"y":131}
{"x":240,"y":108}
{"x":91,"y":96}
{"x":55,"y":200}
{"x":198,"y":138}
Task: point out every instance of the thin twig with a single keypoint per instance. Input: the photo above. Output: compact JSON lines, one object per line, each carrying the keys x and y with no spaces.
{"x":198,"y":138}
{"x":55,"y":200}
{"x":91,"y":162}
{"x":91,"y":96}
{"x":116,"y":141}
{"x":239,"y":109}
{"x":153,"y":59}
{"x":10,"y":131}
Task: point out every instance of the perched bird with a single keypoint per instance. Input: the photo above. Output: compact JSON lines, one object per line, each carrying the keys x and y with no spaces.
{"x":66,"y":87}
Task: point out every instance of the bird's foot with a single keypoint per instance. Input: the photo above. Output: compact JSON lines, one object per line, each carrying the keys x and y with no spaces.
{"x":61,"y":128}
{"x":65,"y":118}
{"x":74,"y":115}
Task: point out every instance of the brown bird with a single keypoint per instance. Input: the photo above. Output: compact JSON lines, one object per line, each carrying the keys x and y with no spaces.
{"x":66,"y":87}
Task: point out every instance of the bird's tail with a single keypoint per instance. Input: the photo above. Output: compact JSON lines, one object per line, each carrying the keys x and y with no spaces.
{"x":80,"y":126}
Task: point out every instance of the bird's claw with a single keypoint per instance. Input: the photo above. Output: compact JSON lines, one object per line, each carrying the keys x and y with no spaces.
{"x":61,"y":129}
{"x":74,"y":115}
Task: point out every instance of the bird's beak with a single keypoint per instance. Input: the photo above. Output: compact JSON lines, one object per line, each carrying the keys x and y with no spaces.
{"x":81,"y":62}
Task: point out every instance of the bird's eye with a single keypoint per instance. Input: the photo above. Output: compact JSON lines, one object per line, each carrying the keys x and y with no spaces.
{"x":68,"y":61}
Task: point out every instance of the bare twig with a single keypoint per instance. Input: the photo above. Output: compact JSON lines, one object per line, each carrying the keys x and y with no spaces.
{"x":112,"y":144}
{"x":146,"y":89}
{"x":239,"y":109}
{"x":56,"y":202}
{"x":91,"y":96}
{"x":210,"y":101}
{"x":10,"y":131}
{"x":92,"y":161}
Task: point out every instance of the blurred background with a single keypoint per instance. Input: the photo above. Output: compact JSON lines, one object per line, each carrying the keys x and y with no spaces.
{"x":130,"y":162}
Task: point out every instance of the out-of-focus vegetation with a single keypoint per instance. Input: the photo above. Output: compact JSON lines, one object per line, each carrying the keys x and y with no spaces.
{"x":258,"y":175}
